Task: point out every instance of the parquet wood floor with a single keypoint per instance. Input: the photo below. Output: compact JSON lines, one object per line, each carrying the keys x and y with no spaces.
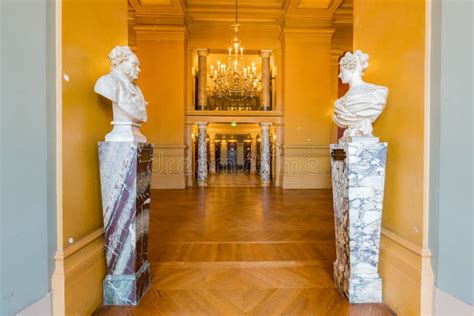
{"x":242,"y":251}
{"x":237,"y":179}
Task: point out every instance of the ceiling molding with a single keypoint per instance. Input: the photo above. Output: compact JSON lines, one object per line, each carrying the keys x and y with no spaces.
{"x":156,"y":6}
{"x":287,"y":14}
{"x":230,"y":4}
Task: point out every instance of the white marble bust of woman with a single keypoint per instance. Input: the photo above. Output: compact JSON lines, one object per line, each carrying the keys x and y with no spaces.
{"x":128,"y":103}
{"x":363,"y":103}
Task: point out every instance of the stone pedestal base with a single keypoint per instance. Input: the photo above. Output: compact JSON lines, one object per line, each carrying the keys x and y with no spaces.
{"x":127,"y":289}
{"x":201,"y":183}
{"x":361,"y":288}
{"x":358,"y":174}
{"x":125,"y":173}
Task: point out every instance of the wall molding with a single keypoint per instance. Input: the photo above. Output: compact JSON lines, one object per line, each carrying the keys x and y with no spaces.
{"x":426,"y":253}
{"x":407,"y":276}
{"x":83,"y":260}
{"x":304,"y":146}
{"x":84,"y":242}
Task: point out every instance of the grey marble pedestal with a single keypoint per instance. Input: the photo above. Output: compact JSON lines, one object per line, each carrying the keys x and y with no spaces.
{"x":125,"y":174}
{"x":358,"y":174}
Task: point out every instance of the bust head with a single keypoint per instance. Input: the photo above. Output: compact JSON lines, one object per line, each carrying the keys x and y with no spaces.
{"x":352,"y":66}
{"x":125,"y":61}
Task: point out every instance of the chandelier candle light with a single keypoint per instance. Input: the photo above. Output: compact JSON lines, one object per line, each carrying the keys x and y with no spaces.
{"x":235,"y":80}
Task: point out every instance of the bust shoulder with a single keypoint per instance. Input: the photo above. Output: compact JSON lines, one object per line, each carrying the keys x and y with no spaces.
{"x":107,"y":86}
{"x":380,"y":90}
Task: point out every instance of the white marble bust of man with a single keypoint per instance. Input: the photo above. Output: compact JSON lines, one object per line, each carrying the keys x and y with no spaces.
{"x":128,"y":103}
{"x":363,"y":103}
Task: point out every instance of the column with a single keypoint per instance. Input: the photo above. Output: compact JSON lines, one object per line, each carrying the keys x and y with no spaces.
{"x":265,"y":97}
{"x":202,"y":78}
{"x":253,"y":150}
{"x":202,"y":153}
{"x":223,"y":160}
{"x":212,"y":154}
{"x":265,"y":153}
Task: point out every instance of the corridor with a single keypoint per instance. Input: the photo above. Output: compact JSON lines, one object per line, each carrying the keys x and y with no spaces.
{"x":234,"y":180}
{"x":242,"y":251}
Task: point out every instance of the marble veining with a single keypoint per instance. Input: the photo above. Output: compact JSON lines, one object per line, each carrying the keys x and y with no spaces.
{"x":202,"y":153}
{"x":125,"y":170}
{"x":265,"y":153}
{"x":358,"y":187}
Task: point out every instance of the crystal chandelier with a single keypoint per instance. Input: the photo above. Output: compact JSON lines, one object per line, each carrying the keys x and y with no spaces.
{"x":235,"y":80}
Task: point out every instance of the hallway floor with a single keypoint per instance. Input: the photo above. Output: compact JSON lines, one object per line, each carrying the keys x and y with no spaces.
{"x":234,"y":180}
{"x":242,"y":251}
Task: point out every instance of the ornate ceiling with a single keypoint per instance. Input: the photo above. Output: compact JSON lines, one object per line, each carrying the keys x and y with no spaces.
{"x":283,"y":12}
{"x":262,"y":20}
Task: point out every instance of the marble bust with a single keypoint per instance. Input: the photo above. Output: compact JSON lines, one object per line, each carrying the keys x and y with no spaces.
{"x":128,"y":103}
{"x":363,"y":103}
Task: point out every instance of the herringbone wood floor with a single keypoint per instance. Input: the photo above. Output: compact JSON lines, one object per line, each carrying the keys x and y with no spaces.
{"x":242,"y":251}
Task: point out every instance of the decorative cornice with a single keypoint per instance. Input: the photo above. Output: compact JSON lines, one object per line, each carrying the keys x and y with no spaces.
{"x":160,"y":32}
{"x":323,"y":34}
{"x":235,"y":113}
{"x":317,"y":13}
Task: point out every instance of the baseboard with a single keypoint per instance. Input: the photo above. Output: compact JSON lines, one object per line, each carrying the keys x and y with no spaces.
{"x":43,"y":307}
{"x":169,"y":167}
{"x":407,"y":275}
{"x":78,"y":275}
{"x":447,"y":305}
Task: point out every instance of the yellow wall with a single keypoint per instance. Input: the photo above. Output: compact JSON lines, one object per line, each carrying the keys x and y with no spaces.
{"x":306,"y":94}
{"x":162,"y":81}
{"x":164,"y":63}
{"x":393,"y":34}
{"x":90,"y":29}
{"x":306,"y":87}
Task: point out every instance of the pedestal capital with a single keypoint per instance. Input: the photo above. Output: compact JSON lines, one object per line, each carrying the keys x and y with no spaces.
{"x":202,"y":52}
{"x":265,"y":53}
{"x":265,"y":125}
{"x":202,"y":125}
